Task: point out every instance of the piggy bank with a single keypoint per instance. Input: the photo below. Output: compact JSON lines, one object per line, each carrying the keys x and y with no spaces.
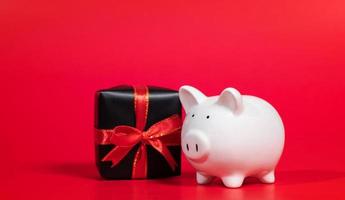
{"x":230,"y":136}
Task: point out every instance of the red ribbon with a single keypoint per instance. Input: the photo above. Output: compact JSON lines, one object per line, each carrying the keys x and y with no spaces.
{"x":159,"y":136}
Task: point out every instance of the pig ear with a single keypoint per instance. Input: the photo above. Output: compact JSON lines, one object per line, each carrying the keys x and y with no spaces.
{"x":231,"y":99}
{"x":190,"y":97}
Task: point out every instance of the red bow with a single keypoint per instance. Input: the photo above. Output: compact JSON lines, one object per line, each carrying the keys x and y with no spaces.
{"x":126,"y":137}
{"x":159,"y":136}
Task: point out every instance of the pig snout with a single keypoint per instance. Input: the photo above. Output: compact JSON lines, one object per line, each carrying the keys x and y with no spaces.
{"x":196,"y":146}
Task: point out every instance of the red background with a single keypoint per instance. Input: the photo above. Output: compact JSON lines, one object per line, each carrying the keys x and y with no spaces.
{"x":54,"y":55}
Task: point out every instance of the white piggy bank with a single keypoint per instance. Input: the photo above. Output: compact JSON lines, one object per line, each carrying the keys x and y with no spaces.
{"x":230,"y":136}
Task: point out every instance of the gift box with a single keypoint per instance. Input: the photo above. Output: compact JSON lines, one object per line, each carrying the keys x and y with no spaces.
{"x":137,"y":132}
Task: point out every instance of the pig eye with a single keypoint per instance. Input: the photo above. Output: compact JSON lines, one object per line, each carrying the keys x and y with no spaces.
{"x":208,"y":116}
{"x":193,"y":115}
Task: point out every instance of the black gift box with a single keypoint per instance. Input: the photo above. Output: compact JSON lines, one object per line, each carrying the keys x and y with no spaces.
{"x":115,"y":107}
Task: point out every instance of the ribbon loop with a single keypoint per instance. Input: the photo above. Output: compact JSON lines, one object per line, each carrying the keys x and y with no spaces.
{"x":126,"y":136}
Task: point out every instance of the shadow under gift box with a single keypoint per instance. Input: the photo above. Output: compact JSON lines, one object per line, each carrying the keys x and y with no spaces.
{"x":115,"y":107}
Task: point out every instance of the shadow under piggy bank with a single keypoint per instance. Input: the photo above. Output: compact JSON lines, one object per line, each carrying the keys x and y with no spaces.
{"x":282,"y":178}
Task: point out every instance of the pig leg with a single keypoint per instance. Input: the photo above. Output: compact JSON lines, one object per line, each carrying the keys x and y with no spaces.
{"x":202,"y":178}
{"x":233,"y":181}
{"x":267,"y":177}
